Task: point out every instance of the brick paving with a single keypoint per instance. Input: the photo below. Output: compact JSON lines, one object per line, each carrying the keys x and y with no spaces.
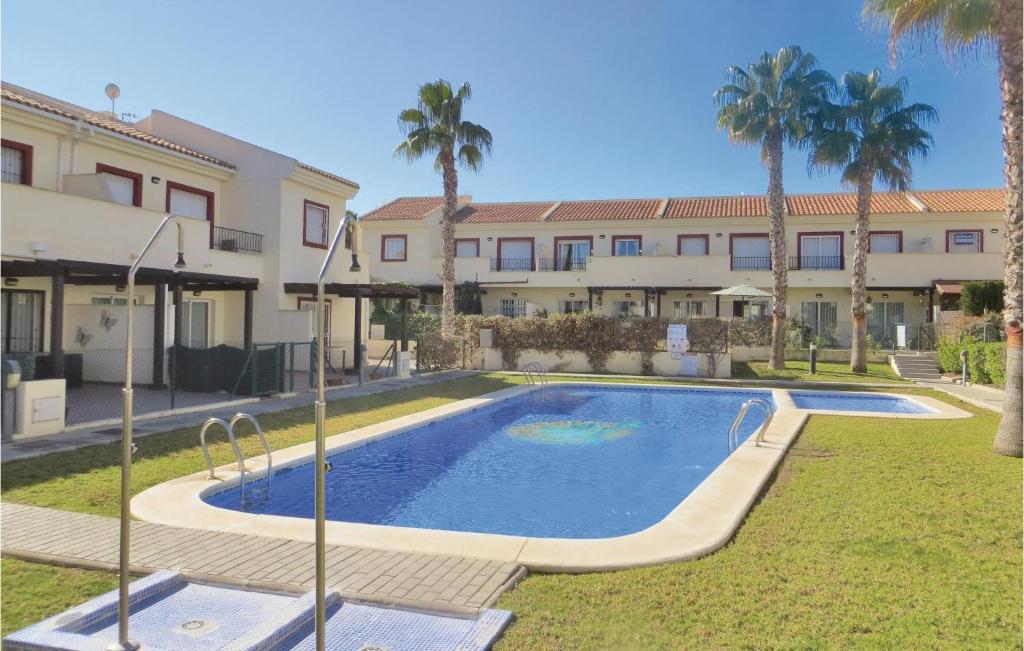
{"x":447,"y":583}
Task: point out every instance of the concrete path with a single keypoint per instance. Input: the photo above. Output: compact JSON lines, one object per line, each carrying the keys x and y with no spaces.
{"x":984,"y":397}
{"x":442,"y":583}
{"x":71,"y":440}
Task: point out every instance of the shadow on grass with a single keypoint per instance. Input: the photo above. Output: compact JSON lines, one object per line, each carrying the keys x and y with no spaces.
{"x":829,"y":372}
{"x":292,"y":425}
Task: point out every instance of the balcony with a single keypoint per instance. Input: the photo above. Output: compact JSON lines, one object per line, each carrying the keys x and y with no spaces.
{"x":817,"y":262}
{"x":745,"y":263}
{"x":512,"y":264}
{"x":231,"y":239}
{"x":561,"y":264}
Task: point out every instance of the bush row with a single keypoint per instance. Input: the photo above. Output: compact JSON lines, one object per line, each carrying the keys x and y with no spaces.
{"x":986,"y":362}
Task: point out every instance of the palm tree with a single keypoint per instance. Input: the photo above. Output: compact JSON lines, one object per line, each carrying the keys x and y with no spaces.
{"x":436,"y":126}
{"x":972,"y":24}
{"x":868,"y":135}
{"x":768,"y":104}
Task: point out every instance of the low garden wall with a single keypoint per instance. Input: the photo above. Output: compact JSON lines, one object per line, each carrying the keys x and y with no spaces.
{"x":619,"y":362}
{"x":762,"y":354}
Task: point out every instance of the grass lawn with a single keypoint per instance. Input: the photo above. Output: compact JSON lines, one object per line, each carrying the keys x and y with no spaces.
{"x":874,"y":533}
{"x":32,"y":591}
{"x":827,"y":372}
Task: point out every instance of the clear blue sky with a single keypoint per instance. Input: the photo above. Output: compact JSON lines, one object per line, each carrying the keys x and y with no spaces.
{"x":585,"y":99}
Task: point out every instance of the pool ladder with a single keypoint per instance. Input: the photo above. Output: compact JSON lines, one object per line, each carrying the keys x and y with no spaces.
{"x":744,"y":408}
{"x":535,"y":374}
{"x":229,"y":427}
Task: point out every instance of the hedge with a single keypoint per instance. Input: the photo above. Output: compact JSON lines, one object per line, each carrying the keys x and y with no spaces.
{"x":985,"y":361}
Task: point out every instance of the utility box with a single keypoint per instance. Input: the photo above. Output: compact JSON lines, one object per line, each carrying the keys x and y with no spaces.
{"x":404,"y":359}
{"x":40,"y":407}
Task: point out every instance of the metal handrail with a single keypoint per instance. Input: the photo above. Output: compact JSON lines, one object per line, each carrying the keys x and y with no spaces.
{"x":263,"y":439}
{"x":533,"y":371}
{"x":744,"y":408}
{"x":234,"y":446}
{"x":391,"y":349}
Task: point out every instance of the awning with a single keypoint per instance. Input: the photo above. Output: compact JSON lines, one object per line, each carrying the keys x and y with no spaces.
{"x":349,"y":290}
{"x":82,"y":272}
{"x":947,"y":286}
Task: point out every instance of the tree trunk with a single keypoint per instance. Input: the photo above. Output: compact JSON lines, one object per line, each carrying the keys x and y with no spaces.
{"x":1009,"y":437}
{"x":859,"y":277}
{"x":777,"y":247}
{"x":451,"y":194}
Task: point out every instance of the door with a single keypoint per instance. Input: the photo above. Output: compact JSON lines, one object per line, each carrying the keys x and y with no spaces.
{"x":195,"y":321}
{"x":515,"y":255}
{"x":821,"y":318}
{"x":751,"y":253}
{"x":572,"y":255}
{"x":23,"y":321}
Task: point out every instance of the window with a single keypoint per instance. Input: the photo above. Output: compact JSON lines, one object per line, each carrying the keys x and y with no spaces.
{"x":626,"y":308}
{"x":692,"y":245}
{"x":22,"y":320}
{"x":309,"y":304}
{"x":16,"y":162}
{"x":573,"y":306}
{"x":315,"y":220}
{"x":756,"y":308}
{"x":821,"y":318}
{"x":627,"y":245}
{"x":515,"y":254}
{"x":393,"y":248}
{"x":688,"y":309}
{"x":467,"y":248}
{"x":964,"y":241}
{"x":125,"y":187}
{"x":571,"y":253}
{"x":195,"y":321}
{"x":820,"y":251}
{"x":885,"y":242}
{"x":750,"y":251}
{"x":109,"y":299}
{"x":190,"y":202}
{"x":513,"y":307}
{"x":882,"y":320}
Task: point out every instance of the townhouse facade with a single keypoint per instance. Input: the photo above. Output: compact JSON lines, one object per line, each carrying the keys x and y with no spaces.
{"x":665,"y":257}
{"x":82,"y":193}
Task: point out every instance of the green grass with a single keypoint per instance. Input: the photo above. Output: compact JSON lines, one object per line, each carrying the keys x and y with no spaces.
{"x":32,"y":591}
{"x":827,"y":372}
{"x":875,"y":533}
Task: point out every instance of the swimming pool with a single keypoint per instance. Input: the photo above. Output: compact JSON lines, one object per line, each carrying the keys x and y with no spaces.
{"x":583,"y":460}
{"x":838,"y":401}
{"x":566,"y":462}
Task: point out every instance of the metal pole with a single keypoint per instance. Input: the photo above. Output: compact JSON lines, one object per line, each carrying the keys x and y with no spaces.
{"x":321,"y":453}
{"x":127,"y":446}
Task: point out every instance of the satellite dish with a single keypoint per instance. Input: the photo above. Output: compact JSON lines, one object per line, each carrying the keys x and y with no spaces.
{"x":112,"y":91}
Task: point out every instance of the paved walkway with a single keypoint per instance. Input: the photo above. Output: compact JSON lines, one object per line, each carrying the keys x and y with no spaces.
{"x":71,"y":440}
{"x":445,"y":583}
{"x":984,"y":397}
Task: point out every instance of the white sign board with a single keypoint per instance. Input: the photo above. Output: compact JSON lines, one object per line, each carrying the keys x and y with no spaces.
{"x":901,"y":336}
{"x":690,"y":365}
{"x":676,"y":340}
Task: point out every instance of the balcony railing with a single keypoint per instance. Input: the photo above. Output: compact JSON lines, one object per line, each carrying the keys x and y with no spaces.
{"x":230,"y":239}
{"x":562,"y":264}
{"x":817,"y":262}
{"x":751,"y":264}
{"x":512,"y":264}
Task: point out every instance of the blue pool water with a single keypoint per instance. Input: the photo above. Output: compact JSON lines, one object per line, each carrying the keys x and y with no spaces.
{"x":830,"y":401}
{"x":566,"y":462}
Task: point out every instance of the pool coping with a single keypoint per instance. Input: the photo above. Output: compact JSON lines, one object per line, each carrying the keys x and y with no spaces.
{"x":701,"y":523}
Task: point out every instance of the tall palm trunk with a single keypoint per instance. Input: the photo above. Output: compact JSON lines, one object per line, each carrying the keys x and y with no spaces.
{"x":777,"y":247}
{"x":451,"y":194}
{"x":1008,"y":30}
{"x":859,"y":276}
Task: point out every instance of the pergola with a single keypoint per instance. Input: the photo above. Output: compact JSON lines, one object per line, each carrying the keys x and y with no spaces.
{"x":656,"y":292}
{"x":359,"y":291}
{"x":79,"y":272}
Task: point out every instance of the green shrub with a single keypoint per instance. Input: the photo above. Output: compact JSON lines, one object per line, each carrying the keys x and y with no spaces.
{"x":949,"y":353}
{"x":977,"y":363}
{"x":981,"y":296}
{"x":995,"y":363}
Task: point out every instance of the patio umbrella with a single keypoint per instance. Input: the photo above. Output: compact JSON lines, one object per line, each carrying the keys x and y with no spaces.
{"x":741,"y":291}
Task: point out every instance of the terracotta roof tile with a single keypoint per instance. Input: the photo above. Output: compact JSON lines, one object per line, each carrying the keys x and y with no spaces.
{"x":846,"y":204}
{"x":404,"y":208}
{"x":333,"y":177}
{"x":962,"y":200}
{"x":692,"y":207}
{"x":480,"y":213}
{"x":41,"y":102}
{"x":617,"y":209}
